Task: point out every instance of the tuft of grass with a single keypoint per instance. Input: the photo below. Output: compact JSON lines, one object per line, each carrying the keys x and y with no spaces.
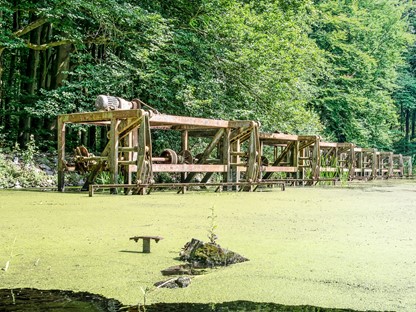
{"x":212,"y":236}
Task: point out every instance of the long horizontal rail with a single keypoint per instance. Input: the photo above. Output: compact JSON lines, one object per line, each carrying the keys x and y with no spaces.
{"x":94,"y":187}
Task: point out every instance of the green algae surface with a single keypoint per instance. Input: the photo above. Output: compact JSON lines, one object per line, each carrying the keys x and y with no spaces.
{"x":340,"y":247}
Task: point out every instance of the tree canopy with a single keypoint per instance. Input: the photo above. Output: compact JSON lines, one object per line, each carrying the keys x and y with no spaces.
{"x":342,"y":69}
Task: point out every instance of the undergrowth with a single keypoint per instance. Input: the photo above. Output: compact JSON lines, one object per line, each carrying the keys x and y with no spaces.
{"x":18,"y":168}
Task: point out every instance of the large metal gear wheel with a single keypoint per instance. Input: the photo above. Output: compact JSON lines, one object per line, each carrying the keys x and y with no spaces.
{"x":185,"y":157}
{"x":170,"y":155}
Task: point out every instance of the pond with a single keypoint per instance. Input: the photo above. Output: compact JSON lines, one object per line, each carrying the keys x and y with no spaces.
{"x":32,"y":300}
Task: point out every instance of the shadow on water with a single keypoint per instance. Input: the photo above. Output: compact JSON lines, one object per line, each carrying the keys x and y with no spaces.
{"x":35,"y":300}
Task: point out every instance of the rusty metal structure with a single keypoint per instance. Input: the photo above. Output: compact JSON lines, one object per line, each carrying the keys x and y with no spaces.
{"x":230,"y":154}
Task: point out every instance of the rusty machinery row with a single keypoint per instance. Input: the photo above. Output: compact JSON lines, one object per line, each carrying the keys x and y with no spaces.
{"x":230,"y":154}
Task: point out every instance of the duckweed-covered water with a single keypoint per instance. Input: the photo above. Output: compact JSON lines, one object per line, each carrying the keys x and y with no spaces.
{"x":345,"y":247}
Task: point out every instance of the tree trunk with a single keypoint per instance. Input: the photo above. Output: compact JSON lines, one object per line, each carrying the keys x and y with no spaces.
{"x":413,"y":135}
{"x":29,"y":87}
{"x":61,"y":65}
{"x":407,"y":130}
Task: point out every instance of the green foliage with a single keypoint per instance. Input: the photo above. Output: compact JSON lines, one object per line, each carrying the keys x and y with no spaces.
{"x":18,"y":168}
{"x":19,"y":175}
{"x":364,"y":42}
{"x":297,"y":66}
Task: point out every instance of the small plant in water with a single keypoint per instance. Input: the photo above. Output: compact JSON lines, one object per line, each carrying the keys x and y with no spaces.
{"x":145,"y":292}
{"x":212,"y":226}
{"x":344,"y":176}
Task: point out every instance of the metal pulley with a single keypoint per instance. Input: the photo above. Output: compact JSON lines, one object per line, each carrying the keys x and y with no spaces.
{"x":107,"y":103}
{"x":170,"y":156}
{"x":185,"y":157}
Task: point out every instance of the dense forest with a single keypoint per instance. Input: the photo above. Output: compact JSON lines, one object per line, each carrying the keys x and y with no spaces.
{"x":344,"y":69}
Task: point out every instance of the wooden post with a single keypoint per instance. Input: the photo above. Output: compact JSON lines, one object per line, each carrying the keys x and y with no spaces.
{"x":235,"y":170}
{"x":352,"y":162}
{"x":391,"y":165}
{"x":113,"y":155}
{"x":61,"y":155}
{"x":410,"y":169}
{"x":185,"y":147}
{"x":226,"y":155}
{"x":251,"y":161}
{"x":360,"y":163}
{"x":146,"y":245}
{"x":295,"y":158}
{"x":374,"y":164}
{"x":401,"y":166}
{"x":316,"y":160}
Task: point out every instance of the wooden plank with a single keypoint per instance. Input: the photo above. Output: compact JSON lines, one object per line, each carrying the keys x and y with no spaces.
{"x":93,"y":117}
{"x":278,"y":169}
{"x":188,"y":168}
{"x":278,"y":137}
{"x":161,"y":119}
{"x":328,"y":169}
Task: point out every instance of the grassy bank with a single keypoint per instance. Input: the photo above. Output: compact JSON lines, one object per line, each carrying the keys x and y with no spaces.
{"x":330,"y":247}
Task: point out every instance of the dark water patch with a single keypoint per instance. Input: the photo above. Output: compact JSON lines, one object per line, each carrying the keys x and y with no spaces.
{"x":233,"y":306}
{"x":35,"y":300}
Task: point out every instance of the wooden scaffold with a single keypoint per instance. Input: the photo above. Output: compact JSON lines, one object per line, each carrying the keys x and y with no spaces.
{"x":230,"y":154}
{"x":294,"y":158}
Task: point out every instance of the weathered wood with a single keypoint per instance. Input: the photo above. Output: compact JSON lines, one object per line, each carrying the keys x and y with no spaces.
{"x":113,"y":154}
{"x":161,"y":119}
{"x":146,"y":241}
{"x":61,"y":155}
{"x":208,"y":150}
{"x":92,"y":117}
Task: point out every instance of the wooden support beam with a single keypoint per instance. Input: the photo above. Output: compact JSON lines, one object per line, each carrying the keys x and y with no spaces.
{"x":185,"y":147}
{"x":161,"y":119}
{"x":226,"y":155}
{"x":278,"y":160}
{"x":113,"y":153}
{"x":93,"y":117}
{"x":61,"y":154}
{"x":207,"y":152}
